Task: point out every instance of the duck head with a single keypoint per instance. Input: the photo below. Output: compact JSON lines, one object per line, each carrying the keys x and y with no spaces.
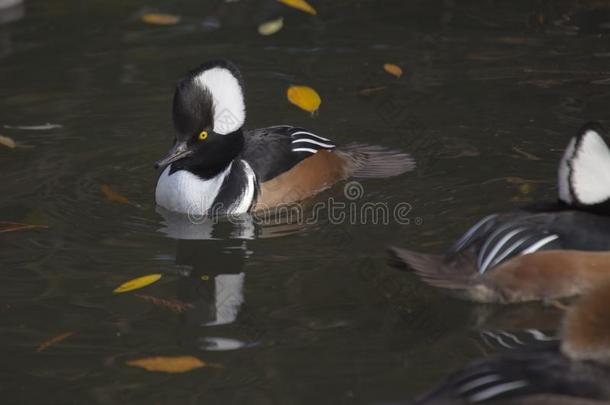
{"x":208,"y":114}
{"x":584,"y":170}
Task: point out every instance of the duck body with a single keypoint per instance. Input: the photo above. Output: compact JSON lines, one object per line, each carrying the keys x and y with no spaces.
{"x":546,"y":251}
{"x":574,"y":370}
{"x":542,"y":376}
{"x":521,"y":256}
{"x":277,"y":165}
{"x":217,"y":167}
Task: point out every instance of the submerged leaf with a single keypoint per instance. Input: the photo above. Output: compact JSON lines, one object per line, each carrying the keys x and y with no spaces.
{"x":370,"y":90}
{"x":170,"y":364}
{"x":112,"y":195}
{"x":160,"y":19}
{"x":172,"y":305}
{"x":137,"y":283}
{"x":304,"y":97}
{"x":271,"y":27}
{"x":8,"y":142}
{"x":15,"y":226}
{"x":53,"y":341}
{"x":393,"y":69}
{"x":300,"y":5}
{"x":526,"y":188}
{"x":525,"y":154}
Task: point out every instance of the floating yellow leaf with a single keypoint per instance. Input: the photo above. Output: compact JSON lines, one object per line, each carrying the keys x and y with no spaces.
{"x":112,"y":195}
{"x":300,"y":5}
{"x":170,"y":364}
{"x":304,"y":97}
{"x":393,"y":69}
{"x":8,"y":142}
{"x":14,"y":226}
{"x":271,"y":27}
{"x":53,"y":341}
{"x":137,"y":283}
{"x":160,"y":19}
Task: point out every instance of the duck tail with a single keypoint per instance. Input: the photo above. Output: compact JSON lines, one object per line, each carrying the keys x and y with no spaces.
{"x":431,"y":269}
{"x":370,"y":161}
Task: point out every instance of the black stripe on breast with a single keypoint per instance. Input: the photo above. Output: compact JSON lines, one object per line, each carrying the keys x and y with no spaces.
{"x":232,"y":190}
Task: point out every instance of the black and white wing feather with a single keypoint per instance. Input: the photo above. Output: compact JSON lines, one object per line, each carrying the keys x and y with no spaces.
{"x":511,"y":340}
{"x":303,"y":141}
{"x":517,"y":375}
{"x":496,"y":240}
{"x":274,"y":150}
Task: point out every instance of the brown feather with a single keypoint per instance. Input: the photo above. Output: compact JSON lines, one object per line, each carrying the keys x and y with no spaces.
{"x":307,"y":178}
{"x":459,"y":276}
{"x":325,"y":168}
{"x":586,"y":329}
{"x":548,"y":275}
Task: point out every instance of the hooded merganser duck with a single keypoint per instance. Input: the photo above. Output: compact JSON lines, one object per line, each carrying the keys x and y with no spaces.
{"x":541,"y":252}
{"x":574,"y":370}
{"x":216,"y":166}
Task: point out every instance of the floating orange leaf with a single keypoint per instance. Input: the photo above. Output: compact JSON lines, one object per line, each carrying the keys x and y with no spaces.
{"x":53,"y":341}
{"x":170,"y":364}
{"x":172,"y":305}
{"x":393,"y":69}
{"x":8,"y":142}
{"x":271,"y":27}
{"x":137,"y":283}
{"x":160,"y":19}
{"x":304,"y":97}
{"x":112,"y":195}
{"x":300,"y":5}
{"x":15,"y":226}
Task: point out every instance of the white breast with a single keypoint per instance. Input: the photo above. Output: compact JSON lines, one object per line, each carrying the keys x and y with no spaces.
{"x":186,"y":193}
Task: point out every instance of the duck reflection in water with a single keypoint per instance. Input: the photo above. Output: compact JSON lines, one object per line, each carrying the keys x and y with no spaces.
{"x":215,"y":252}
{"x":10,"y":11}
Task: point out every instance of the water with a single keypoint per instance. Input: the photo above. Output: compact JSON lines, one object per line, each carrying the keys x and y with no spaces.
{"x":294,"y":315}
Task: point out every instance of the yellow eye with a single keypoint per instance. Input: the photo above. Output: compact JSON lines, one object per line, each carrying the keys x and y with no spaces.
{"x":203,"y":135}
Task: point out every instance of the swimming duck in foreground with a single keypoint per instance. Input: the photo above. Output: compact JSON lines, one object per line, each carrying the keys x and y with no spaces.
{"x":215,"y":166}
{"x":539,"y":252}
{"x":576,"y":371}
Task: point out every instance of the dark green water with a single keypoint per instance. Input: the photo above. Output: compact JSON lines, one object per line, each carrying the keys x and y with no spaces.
{"x":492,"y":92}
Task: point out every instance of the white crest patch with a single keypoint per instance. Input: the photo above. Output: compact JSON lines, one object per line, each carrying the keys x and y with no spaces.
{"x":590,"y":170}
{"x":229,"y":105}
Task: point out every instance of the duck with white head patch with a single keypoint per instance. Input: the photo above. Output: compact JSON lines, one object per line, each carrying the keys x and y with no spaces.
{"x":216,"y":166}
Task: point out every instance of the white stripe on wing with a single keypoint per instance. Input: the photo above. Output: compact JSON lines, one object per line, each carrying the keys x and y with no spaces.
{"x":310,"y":134}
{"x":305,"y":150}
{"x":324,"y":145}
